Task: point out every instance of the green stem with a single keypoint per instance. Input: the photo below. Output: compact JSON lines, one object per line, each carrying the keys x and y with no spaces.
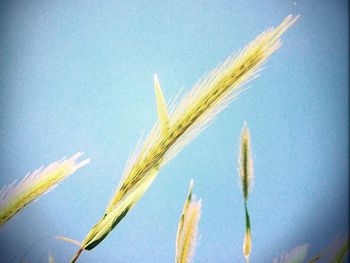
{"x":247,"y":220}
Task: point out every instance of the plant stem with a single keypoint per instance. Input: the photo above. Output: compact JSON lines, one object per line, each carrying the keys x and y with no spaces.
{"x":74,"y":259}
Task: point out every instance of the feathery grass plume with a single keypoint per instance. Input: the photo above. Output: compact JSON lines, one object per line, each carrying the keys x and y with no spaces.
{"x":208,"y":97}
{"x":14,"y":197}
{"x":187,"y":229}
{"x":297,"y":255}
{"x":245,"y":164}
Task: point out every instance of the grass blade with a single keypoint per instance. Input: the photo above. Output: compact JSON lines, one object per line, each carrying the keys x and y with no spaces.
{"x":162,"y":108}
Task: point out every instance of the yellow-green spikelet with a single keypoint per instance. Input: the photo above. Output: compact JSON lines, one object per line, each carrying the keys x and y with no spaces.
{"x":188,"y":119}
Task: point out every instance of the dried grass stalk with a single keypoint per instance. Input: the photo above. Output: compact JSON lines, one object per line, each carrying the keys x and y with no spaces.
{"x":208,"y":97}
{"x":187,"y":230}
{"x":15,"y":197}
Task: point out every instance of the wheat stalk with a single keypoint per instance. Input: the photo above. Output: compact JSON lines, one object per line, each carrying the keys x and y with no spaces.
{"x":15,"y":197}
{"x":245,"y":171}
{"x":187,"y":229}
{"x":209,"y":96}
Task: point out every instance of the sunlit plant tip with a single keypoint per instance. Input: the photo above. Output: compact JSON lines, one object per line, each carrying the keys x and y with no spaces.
{"x":188,"y":227}
{"x":15,"y":197}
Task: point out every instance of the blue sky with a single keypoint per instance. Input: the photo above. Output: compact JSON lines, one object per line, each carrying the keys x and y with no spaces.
{"x":78,"y":76}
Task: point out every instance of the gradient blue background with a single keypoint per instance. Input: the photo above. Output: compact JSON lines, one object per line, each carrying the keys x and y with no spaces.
{"x":78,"y":76}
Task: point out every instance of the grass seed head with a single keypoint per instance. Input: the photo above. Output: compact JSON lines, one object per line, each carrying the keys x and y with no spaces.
{"x":184,"y":122}
{"x":188,"y":228}
{"x":15,"y":197}
{"x":245,"y":162}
